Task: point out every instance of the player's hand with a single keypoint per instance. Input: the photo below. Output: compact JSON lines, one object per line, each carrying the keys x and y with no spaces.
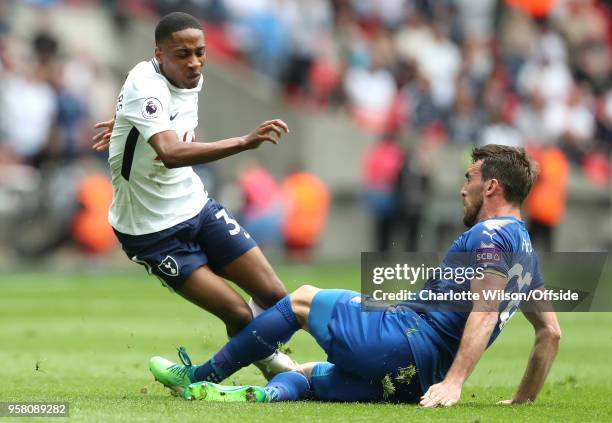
{"x":102,"y":139}
{"x":445,"y":393}
{"x":270,"y":130}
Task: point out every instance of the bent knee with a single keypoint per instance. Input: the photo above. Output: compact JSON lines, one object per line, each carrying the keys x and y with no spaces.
{"x":273,"y":295}
{"x":304,"y":295}
{"x":301,"y":300}
{"x":306,"y":369}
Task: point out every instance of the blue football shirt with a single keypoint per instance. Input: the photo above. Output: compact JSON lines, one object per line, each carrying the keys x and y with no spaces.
{"x":499,"y":245}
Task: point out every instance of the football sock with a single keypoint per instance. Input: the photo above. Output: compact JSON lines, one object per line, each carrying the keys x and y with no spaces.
{"x":258,"y":340}
{"x":272,"y":358}
{"x":287,"y":386}
{"x":255,"y":308}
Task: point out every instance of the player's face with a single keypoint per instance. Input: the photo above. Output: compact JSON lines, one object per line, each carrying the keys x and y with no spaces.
{"x":472,"y":194}
{"x":182,"y":57}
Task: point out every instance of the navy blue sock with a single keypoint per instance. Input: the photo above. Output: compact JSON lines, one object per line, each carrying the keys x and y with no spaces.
{"x":256,"y":341}
{"x":287,"y":386}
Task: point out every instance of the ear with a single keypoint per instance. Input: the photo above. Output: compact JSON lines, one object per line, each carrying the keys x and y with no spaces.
{"x":491,"y":186}
{"x":158,"y":55}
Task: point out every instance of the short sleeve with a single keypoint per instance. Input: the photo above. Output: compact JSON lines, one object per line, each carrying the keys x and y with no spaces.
{"x":146,"y":106}
{"x":488,"y":250}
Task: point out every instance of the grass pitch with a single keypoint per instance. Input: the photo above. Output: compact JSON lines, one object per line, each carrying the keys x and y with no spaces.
{"x":86,"y":339}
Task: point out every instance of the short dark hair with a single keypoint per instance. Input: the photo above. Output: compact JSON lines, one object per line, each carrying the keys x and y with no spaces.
{"x":172,"y":22}
{"x":510,"y":166}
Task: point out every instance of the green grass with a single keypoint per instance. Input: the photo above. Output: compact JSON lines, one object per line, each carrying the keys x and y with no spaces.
{"x":91,"y":335}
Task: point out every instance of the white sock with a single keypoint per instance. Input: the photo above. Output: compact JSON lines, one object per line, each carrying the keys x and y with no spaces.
{"x":255,"y":308}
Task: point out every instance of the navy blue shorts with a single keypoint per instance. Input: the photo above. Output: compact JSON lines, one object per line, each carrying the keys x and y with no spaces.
{"x":363,"y":348}
{"x":212,"y":237}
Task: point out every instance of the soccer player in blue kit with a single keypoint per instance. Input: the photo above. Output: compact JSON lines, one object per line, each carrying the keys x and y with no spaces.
{"x":364,"y":347}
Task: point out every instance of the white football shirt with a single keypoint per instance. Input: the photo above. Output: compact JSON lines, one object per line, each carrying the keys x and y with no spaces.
{"x":147,"y":196}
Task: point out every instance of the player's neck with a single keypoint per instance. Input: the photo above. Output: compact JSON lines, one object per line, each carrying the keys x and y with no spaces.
{"x":161,"y":68}
{"x":490,"y":211}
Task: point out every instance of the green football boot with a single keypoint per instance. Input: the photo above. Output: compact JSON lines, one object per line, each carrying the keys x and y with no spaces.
{"x":174,"y":376}
{"x":208,"y":391}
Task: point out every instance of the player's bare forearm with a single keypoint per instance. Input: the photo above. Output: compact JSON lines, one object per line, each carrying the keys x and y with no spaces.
{"x":542,"y":356}
{"x":476,"y":334}
{"x":478,"y":329}
{"x":176,"y":154}
{"x":546,"y":345}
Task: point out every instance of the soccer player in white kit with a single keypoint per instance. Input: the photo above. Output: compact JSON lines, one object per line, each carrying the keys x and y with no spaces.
{"x":160,"y":212}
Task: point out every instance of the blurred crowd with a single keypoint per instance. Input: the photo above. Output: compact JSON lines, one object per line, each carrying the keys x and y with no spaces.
{"x":419,"y":74}
{"x":527,"y":73}
{"x":49,"y":98}
{"x":427,"y":73}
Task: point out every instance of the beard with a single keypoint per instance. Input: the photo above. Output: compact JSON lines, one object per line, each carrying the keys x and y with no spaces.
{"x":470,"y":216}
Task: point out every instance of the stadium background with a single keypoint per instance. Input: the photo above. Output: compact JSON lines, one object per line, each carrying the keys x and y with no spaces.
{"x":437,"y":77}
{"x":490,"y":73}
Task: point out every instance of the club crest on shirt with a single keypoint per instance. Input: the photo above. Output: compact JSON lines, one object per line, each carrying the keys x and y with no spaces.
{"x":151,"y":108}
{"x":169,"y":267}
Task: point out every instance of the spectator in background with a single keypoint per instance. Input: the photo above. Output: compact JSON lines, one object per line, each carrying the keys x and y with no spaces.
{"x":500,"y":130}
{"x":586,"y":30}
{"x":382,"y":165}
{"x":418,"y":103}
{"x":545,"y":204}
{"x":529,"y":117}
{"x":465,"y":120}
{"x":414,"y":189}
{"x":28,"y":103}
{"x":604,"y":123}
{"x":439,"y":60}
{"x":269,"y":40}
{"x":546,"y":70}
{"x":70,"y":130}
{"x":571,"y":123}
{"x":307,"y":204}
{"x":308,"y":25}
{"x":371,"y":91}
{"x":477,"y":61}
{"x":263,"y":209}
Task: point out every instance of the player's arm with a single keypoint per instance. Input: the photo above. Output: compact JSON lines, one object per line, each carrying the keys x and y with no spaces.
{"x":476,"y":334}
{"x":545,"y":347}
{"x":178,"y":154}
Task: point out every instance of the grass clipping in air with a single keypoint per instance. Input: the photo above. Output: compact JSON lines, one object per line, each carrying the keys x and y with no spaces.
{"x":404,"y":376}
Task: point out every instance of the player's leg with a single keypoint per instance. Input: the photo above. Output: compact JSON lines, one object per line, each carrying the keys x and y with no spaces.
{"x":314,"y":307}
{"x":253,"y":273}
{"x":182,"y":266}
{"x":233,"y":254}
{"x":286,"y":386}
{"x":231,"y":308}
{"x":212,"y":293}
{"x":318,"y":380}
{"x":329,"y":382}
{"x":261,"y":337}
{"x":257,"y":341}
